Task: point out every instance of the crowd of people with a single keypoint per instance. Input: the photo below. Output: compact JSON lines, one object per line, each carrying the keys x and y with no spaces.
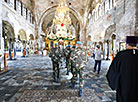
{"x":76,"y":58}
{"x":122,"y":74}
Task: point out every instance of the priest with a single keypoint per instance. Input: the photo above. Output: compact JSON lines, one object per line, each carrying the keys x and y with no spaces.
{"x":122,"y":75}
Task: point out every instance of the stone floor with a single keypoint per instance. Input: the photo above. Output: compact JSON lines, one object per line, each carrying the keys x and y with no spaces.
{"x":33,"y":75}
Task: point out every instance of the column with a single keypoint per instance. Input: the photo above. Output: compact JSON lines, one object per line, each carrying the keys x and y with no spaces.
{"x":104,"y":50}
{"x":1,"y":52}
{"x":37,"y":40}
{"x":107,"y":50}
{"x":1,"y":41}
{"x":14,"y":50}
{"x":10,"y":50}
{"x":84,"y":25}
{"x":83,"y":36}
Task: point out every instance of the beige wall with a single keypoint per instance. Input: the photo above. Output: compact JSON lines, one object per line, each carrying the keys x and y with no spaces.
{"x":125,"y":18}
{"x":16,"y":20}
{"x":136,"y":25}
{"x":123,"y":15}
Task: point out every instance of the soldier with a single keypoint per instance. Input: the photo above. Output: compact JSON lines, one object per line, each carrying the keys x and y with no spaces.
{"x":80,"y":59}
{"x":73,"y":68}
{"x":55,"y":54}
{"x":67,"y":52}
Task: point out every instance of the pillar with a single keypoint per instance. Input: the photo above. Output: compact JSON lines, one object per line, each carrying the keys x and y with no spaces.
{"x":84,"y":25}
{"x":104,"y":50}
{"x":10,"y":50}
{"x":14,"y":50}
{"x":1,"y":40}
{"x":83,"y":36}
{"x":36,"y":37}
{"x":107,"y":50}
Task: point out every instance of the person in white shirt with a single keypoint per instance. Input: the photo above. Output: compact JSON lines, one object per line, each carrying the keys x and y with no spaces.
{"x":98,"y":58}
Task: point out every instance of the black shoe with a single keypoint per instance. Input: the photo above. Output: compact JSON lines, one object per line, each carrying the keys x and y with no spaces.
{"x":67,"y":73}
{"x":57,"y":80}
{"x":72,"y":84}
{"x":54,"y":80}
{"x":94,"y":70}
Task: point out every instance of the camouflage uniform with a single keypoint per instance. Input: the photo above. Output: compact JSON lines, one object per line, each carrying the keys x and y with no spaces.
{"x":80,"y":59}
{"x":73,"y":67}
{"x":56,"y":54}
{"x":67,"y":52}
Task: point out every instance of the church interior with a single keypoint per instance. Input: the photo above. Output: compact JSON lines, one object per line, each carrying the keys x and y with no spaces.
{"x":29,"y":29}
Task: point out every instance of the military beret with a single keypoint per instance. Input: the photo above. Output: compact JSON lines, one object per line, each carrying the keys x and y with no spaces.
{"x":56,"y":43}
{"x":73,"y":46}
{"x":69,"y":45}
{"x":79,"y":42}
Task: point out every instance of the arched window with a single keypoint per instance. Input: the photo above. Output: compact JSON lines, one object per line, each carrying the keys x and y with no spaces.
{"x":94,"y":15}
{"x":109,"y":4}
{"x":26,"y":13}
{"x":14,"y":4}
{"x":5,"y":0}
{"x":104,"y":7}
{"x":21,"y":8}
{"x":113,"y":3}
{"x":99,"y":11}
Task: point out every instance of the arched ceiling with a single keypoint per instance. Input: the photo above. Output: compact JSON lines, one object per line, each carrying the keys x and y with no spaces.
{"x":47,"y":22}
{"x":39,"y":7}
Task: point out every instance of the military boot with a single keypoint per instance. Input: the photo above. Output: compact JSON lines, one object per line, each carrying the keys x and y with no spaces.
{"x":54,"y":80}
{"x":80,"y":92}
{"x":58,"y":80}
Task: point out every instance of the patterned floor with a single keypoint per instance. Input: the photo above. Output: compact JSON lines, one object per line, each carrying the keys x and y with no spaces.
{"x":33,"y":76}
{"x":66,"y":95}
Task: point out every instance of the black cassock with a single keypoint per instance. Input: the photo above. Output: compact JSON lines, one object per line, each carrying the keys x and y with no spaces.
{"x":123,"y":76}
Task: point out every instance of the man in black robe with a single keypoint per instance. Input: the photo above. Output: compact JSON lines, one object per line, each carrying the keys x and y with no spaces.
{"x":123,"y":72}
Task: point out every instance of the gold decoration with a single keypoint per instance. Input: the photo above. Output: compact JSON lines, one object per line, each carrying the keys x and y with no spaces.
{"x":61,"y":22}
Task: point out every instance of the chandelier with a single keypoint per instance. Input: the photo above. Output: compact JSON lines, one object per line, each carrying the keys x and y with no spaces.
{"x":61,"y":25}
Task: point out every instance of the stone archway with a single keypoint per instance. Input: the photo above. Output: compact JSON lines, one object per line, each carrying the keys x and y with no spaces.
{"x":9,"y":39}
{"x":8,"y":35}
{"x":109,"y":31}
{"x":108,"y":40}
{"x":31,"y":37}
{"x":31,"y":41}
{"x":22,"y":37}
